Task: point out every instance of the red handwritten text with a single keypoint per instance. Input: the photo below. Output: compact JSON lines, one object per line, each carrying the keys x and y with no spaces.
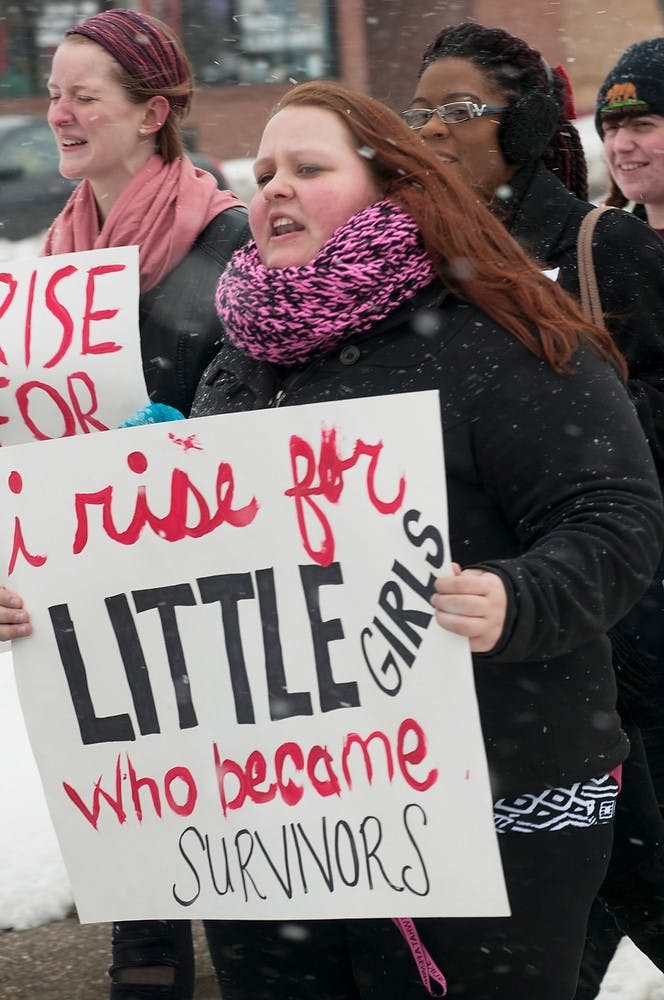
{"x":77,"y":412}
{"x":56,"y":309}
{"x":292,"y":767}
{"x":319,"y":768}
{"x":173,"y":526}
{"x":19,"y":547}
{"x":188,"y":443}
{"x":116,"y":801}
{"x":325,"y":478}
{"x":40,"y":404}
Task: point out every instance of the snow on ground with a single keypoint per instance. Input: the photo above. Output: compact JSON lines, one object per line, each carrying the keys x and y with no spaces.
{"x":631,"y":976}
{"x":34,"y":887}
{"x":21,"y":249}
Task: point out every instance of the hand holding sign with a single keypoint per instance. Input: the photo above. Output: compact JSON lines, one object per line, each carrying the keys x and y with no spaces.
{"x":14,"y":619}
{"x":471,"y":602}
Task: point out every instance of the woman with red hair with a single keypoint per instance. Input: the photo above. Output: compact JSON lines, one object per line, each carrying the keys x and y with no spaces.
{"x":374,"y":270}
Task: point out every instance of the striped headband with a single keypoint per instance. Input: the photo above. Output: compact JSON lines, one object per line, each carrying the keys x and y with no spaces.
{"x":143,"y":49}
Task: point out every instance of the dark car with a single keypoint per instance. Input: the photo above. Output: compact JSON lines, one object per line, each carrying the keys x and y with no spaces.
{"x":32,"y":191}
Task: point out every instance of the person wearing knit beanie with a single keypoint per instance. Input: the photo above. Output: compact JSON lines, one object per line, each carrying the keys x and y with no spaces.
{"x":629,"y":117}
{"x":635,"y":84}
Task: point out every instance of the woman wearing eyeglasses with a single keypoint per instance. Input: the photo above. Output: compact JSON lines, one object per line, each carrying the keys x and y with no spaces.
{"x":492,"y":110}
{"x":495,"y":113}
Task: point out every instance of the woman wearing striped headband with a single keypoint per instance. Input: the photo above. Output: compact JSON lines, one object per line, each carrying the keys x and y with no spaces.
{"x":120,"y":87}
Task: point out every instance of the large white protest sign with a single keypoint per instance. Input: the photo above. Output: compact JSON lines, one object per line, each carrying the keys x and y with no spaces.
{"x":70,"y":358}
{"x":237,"y":696}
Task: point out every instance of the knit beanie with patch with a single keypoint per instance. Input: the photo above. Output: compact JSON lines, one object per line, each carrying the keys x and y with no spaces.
{"x":635,"y":85}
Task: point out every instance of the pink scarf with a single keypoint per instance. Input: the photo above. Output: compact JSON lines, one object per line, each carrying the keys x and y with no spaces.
{"x":370,"y":265}
{"x":163,"y":209}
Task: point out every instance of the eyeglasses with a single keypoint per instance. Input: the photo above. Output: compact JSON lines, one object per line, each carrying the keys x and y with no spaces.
{"x":451,"y":114}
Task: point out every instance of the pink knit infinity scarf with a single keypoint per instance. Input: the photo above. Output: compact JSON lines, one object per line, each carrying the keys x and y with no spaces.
{"x":368,"y":267}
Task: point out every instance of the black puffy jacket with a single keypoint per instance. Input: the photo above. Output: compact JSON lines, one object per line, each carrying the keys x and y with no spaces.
{"x":178,"y":322}
{"x":629,"y":266}
{"x":628,"y":260}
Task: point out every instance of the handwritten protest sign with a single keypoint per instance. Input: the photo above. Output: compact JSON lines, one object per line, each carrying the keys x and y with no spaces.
{"x":237,"y":696}
{"x":70,"y":358}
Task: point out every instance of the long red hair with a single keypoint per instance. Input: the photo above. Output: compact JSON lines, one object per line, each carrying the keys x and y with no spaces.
{"x":471,"y":250}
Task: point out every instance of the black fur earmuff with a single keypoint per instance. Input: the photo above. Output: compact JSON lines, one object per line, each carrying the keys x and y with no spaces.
{"x":529,"y":124}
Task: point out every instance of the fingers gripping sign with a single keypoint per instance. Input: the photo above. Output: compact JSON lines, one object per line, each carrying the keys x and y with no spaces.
{"x":14,"y":620}
{"x":471,"y":602}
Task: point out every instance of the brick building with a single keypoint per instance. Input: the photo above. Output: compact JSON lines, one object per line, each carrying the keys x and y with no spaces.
{"x":247,"y":52}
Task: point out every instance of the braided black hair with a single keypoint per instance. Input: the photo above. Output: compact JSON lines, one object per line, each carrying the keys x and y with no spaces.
{"x":516,"y":69}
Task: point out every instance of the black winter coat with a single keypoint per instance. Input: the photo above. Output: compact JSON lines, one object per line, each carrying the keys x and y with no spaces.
{"x":551,"y":485}
{"x":180,"y":330}
{"x":629,"y":266}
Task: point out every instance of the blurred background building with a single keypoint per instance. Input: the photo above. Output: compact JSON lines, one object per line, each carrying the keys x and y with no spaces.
{"x":247,"y":52}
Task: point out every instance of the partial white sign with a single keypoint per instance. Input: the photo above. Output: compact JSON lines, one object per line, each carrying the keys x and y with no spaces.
{"x":70,"y":356}
{"x":238,"y":698}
